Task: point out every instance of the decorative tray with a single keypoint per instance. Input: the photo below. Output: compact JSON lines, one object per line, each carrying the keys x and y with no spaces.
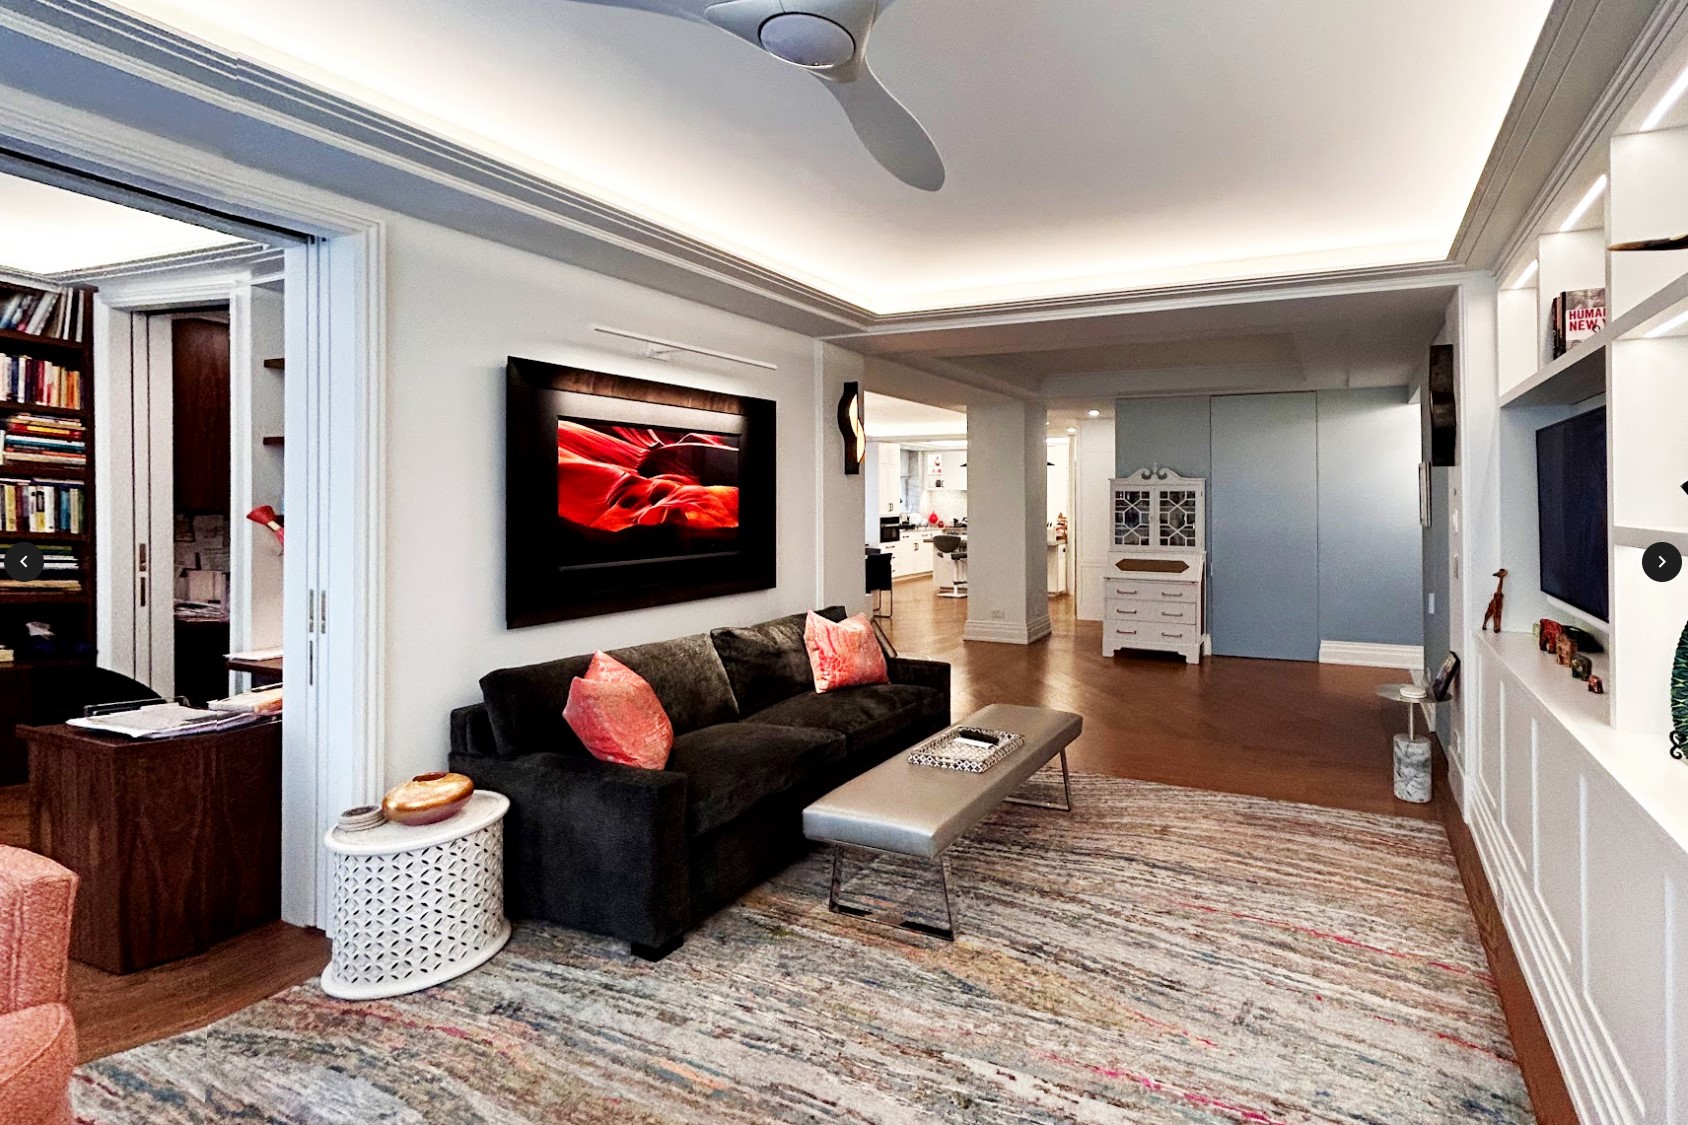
{"x":949,"y":750}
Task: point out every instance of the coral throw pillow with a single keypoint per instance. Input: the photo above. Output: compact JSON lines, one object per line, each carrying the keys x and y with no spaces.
{"x":845,"y":654}
{"x":616,"y":714}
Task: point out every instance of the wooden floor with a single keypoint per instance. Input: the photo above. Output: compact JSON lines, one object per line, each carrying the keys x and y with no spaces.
{"x":1287,"y":730}
{"x":114,"y":1013}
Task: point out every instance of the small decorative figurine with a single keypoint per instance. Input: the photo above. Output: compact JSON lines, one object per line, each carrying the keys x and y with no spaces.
{"x":1547,"y":633}
{"x":1596,"y":686}
{"x":1496,"y":603}
{"x":1581,"y":666}
{"x":1563,"y":649}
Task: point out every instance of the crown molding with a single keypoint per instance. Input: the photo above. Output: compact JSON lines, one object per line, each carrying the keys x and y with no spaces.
{"x":244,"y":257}
{"x":1592,"y":58}
{"x":170,"y":61}
{"x":288,"y":128}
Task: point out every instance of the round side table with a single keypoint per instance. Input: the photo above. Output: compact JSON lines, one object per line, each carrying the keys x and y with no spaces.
{"x":415,"y":907}
{"x":1412,"y":754}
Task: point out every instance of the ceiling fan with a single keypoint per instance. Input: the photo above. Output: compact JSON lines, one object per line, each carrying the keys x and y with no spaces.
{"x":828,"y":38}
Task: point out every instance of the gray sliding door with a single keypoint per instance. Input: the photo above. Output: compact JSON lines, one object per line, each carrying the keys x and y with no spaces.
{"x":1263,"y":545}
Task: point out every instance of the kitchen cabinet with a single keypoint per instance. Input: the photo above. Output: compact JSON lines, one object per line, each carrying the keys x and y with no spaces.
{"x":890,"y":476}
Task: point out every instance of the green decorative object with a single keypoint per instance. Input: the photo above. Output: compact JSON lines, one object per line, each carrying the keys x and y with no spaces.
{"x":1679,"y":699}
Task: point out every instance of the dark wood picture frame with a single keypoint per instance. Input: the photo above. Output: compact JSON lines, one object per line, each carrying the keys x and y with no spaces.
{"x":542,"y":584}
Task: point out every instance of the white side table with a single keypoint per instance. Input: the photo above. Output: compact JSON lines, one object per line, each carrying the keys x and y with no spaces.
{"x":414,"y":907}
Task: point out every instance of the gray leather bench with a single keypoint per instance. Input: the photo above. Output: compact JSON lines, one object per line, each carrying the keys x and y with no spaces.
{"x":919,"y":811}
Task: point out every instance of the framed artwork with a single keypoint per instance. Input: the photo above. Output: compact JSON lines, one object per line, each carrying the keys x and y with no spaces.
{"x":623,"y":493}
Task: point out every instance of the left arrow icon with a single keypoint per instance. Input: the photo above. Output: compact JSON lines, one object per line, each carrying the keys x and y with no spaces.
{"x":24,"y":562}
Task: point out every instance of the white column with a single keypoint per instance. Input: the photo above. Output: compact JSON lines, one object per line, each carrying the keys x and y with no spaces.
{"x":1007,"y":455}
{"x":1090,"y":527}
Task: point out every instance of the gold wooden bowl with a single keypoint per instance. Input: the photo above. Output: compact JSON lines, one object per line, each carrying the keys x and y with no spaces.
{"x":427,"y":798}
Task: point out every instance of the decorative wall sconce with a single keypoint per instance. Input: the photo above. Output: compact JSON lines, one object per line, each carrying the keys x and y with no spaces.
{"x":854,"y":428}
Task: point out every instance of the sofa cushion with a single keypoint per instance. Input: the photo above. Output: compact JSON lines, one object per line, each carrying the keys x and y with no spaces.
{"x":768,"y":662}
{"x":688,"y":678}
{"x":525,"y":705}
{"x":865,"y":716}
{"x":616,"y":714}
{"x":732,"y":767}
{"x":845,"y":653}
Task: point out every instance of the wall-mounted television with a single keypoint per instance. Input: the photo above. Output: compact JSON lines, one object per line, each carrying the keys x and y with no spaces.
{"x":1571,"y":512}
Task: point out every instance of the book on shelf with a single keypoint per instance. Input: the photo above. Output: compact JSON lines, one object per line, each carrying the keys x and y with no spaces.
{"x":29,"y":381}
{"x":47,"y":507}
{"x":1573,"y":317}
{"x":33,"y":439}
{"x":43,"y":312}
{"x":40,"y":586}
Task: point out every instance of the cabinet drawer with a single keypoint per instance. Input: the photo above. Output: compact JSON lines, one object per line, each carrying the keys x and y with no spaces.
{"x":1137,"y":611}
{"x":1149,"y":634}
{"x":1148,"y":590}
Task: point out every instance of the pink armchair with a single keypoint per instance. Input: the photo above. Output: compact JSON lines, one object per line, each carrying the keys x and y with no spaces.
{"x":37,"y":1037}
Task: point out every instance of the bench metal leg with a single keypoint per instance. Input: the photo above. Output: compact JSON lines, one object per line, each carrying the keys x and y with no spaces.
{"x":1066,"y":804}
{"x":894,"y":919}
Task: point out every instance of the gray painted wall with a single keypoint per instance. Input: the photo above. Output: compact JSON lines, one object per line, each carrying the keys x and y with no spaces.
{"x":1372,"y":555}
{"x":1371,"y":550}
{"x":1174,"y":433}
{"x":1263,"y":519}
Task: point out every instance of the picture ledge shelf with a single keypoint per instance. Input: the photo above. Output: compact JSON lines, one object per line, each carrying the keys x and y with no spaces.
{"x":1581,"y":372}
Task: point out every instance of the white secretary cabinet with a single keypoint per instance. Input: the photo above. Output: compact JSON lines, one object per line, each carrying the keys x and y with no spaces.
{"x":1155,"y":589}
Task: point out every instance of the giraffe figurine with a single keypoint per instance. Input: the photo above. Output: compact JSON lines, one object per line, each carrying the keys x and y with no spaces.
{"x":1496,"y":603}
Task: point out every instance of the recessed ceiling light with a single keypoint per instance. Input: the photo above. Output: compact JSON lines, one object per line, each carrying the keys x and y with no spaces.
{"x":1584,"y":204}
{"x":1072,"y":429}
{"x":1528,"y":275}
{"x":1672,"y":96}
{"x":1094,"y":413}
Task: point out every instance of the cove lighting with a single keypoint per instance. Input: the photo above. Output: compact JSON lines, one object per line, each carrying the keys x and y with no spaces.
{"x":1528,"y":275}
{"x":1584,"y":204}
{"x":1672,"y":96}
{"x":1668,"y":326}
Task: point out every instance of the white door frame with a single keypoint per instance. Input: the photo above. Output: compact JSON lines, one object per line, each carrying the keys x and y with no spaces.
{"x":334,"y":607}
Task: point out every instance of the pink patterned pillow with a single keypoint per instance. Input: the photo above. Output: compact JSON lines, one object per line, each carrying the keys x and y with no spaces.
{"x":845,"y":654}
{"x":616,"y":714}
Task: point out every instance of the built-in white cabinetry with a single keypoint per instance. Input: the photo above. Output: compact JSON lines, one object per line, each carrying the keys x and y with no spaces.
{"x":888,"y":472}
{"x":945,"y":468}
{"x":912,"y":554}
{"x":1582,"y":830}
{"x":1154,"y":588}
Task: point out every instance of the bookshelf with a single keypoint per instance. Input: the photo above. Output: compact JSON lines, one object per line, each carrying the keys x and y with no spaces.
{"x":70,"y":613}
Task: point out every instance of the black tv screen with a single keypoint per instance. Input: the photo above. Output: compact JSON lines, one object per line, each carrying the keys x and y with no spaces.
{"x":1571,"y":511}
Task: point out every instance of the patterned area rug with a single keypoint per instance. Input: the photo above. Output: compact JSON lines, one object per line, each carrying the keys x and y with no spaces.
{"x":1161,"y":955}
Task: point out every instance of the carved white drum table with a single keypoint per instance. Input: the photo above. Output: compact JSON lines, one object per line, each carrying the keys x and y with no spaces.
{"x":415,"y":907}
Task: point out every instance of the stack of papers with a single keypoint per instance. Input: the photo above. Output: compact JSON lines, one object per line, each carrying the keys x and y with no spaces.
{"x":163,"y":720}
{"x":261,"y":701}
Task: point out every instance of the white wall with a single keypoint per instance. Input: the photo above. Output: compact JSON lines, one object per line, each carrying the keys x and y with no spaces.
{"x":456,"y":307}
{"x":1090,"y":532}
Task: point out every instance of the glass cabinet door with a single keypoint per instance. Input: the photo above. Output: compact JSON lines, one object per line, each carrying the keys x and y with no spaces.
{"x":1133,"y":510}
{"x":1175,"y":518}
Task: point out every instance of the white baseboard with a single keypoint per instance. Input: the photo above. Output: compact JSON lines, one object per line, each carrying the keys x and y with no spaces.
{"x":1007,"y":632}
{"x":1409,"y":657}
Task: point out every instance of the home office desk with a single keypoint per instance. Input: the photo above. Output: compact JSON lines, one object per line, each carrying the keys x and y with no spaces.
{"x":177,"y":840}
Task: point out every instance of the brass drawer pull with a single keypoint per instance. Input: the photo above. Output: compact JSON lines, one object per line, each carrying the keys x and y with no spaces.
{"x":1172,"y":613}
{"x":1172,"y":636}
{"x":1172,"y":593}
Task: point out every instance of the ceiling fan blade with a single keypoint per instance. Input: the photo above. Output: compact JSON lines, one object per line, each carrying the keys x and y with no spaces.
{"x":889,"y":131}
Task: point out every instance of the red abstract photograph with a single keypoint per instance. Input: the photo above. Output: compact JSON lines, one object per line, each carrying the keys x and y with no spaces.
{"x":640,"y":492}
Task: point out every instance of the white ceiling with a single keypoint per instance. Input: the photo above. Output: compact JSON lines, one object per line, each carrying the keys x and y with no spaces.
{"x":1092,"y":145}
{"x":889,"y":417}
{"x":46,"y":230}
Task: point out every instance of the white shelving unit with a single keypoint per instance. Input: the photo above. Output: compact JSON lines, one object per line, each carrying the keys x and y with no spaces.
{"x":1578,"y":809}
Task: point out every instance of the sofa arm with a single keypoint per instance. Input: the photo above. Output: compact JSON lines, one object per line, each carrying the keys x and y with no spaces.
{"x":934,"y":674}
{"x":36,"y":900}
{"x":592,"y":845}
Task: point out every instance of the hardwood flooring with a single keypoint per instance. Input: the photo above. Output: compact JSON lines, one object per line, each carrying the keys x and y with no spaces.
{"x":114,"y":1013}
{"x":1291,"y":731}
